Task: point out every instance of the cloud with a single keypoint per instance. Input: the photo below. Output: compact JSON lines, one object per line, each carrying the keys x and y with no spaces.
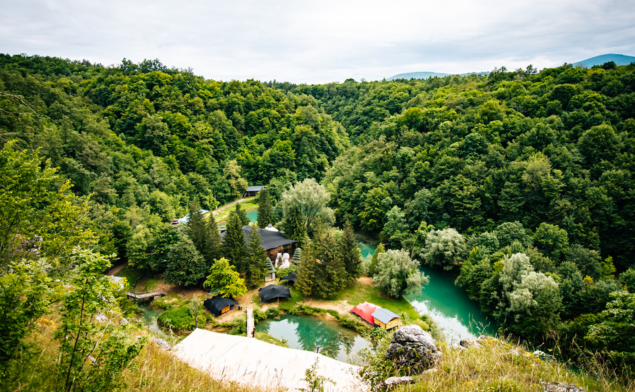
{"x":320,"y":41}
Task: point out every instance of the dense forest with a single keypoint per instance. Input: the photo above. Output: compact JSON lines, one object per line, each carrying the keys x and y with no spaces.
{"x":518,"y":182}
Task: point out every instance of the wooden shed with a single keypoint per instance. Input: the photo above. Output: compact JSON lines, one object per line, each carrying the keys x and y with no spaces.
{"x":386,"y":319}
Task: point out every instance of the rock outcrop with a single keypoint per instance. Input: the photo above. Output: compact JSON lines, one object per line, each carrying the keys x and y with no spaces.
{"x":414,"y":348}
{"x":162,"y":343}
{"x":393,"y":382}
{"x":560,"y":387}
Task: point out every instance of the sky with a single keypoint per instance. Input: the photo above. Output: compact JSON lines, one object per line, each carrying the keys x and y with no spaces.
{"x":320,"y":41}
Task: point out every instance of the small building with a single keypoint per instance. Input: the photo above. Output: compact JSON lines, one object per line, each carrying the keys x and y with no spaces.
{"x":273,"y":291}
{"x":365,"y":312}
{"x":385,"y":319}
{"x":273,"y":242}
{"x":253,"y":190}
{"x":219,"y":305}
{"x":291,"y":277}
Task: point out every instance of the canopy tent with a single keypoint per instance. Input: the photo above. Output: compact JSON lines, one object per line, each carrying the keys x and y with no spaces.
{"x":292,"y":277}
{"x":273,"y":291}
{"x":217,"y":304}
{"x":365,"y":311}
{"x":255,"y":364}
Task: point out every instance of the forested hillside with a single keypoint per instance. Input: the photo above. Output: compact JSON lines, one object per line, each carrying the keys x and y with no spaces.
{"x":145,"y":140}
{"x":522,"y":181}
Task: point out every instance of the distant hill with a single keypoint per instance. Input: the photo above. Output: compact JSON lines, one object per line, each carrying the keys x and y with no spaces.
{"x":619,"y":59}
{"x":426,"y":75}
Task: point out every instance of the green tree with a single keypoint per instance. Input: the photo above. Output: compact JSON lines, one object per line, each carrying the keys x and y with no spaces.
{"x":232,"y":173}
{"x":195,"y":307}
{"x":349,"y":253}
{"x":213,"y":248}
{"x":312,"y":199}
{"x":306,"y":271}
{"x":372,"y":269}
{"x":444,"y":248}
{"x":297,"y":256}
{"x":234,"y":248}
{"x":184,"y":265}
{"x":293,"y":225}
{"x":196,"y":226}
{"x":395,"y":226}
{"x":164,"y":238}
{"x":265,"y":209}
{"x":628,"y":279}
{"x":138,"y":248}
{"x":330,"y":277}
{"x":398,"y":274}
{"x":257,"y":256}
{"x":509,"y":232}
{"x":552,"y":240}
{"x":224,"y":277}
{"x":588,"y":261}
{"x":242,"y":214}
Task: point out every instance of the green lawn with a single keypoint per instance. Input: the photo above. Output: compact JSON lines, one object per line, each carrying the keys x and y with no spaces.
{"x":360,"y":293}
{"x":151,"y":284}
{"x":248,"y":204}
{"x":131,"y":275}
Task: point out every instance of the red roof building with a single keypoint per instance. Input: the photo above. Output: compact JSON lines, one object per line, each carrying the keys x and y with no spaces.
{"x":365,"y":311}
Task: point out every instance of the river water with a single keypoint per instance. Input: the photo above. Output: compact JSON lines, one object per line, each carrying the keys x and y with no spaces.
{"x":448,"y":305}
{"x":253,"y":216}
{"x":309,"y":332}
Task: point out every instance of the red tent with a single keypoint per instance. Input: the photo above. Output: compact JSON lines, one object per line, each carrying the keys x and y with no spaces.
{"x":365,"y":311}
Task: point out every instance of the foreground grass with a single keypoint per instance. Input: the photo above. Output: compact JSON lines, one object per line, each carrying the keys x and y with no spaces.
{"x":494,"y":368}
{"x":359,"y":293}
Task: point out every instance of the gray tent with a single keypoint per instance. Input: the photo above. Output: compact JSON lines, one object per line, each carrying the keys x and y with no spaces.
{"x":273,"y":291}
{"x":292,"y":277}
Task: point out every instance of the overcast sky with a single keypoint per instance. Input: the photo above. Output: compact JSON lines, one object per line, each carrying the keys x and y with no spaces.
{"x":320,"y":41}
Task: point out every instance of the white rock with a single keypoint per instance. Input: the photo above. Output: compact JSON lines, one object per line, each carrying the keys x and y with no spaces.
{"x":162,"y":343}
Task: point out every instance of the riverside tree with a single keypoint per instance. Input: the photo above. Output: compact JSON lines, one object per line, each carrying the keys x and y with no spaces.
{"x":226,"y":279}
{"x":349,"y":254}
{"x":444,"y":248}
{"x":257,"y":259}
{"x":312,"y":199}
{"x":265,"y":209}
{"x":398,"y":274}
{"x":184,"y":265}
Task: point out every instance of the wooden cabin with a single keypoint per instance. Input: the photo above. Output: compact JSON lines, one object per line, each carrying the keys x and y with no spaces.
{"x":253,"y":190}
{"x":385,"y":319}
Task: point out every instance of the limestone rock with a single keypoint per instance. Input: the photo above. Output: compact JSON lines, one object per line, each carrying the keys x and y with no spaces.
{"x":123,"y":321}
{"x":162,"y":343}
{"x":560,"y":387}
{"x":392,"y":382}
{"x":468,"y":343}
{"x":413,"y":347}
{"x":101,"y":318}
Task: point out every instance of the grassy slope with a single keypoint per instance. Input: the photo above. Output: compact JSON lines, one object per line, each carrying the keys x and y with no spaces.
{"x":248,"y":204}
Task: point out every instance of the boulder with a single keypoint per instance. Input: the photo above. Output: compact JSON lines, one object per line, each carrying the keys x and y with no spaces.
{"x":101,"y":318}
{"x":392,"y":382}
{"x":560,"y":387}
{"x":162,"y":343}
{"x":469,"y":343}
{"x":414,"y":348}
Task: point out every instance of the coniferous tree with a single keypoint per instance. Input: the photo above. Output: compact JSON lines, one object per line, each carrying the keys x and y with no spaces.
{"x":257,"y":259}
{"x":349,"y":253}
{"x":306,"y":271}
{"x":196,"y":226}
{"x":242,"y":214}
{"x":372,"y":269}
{"x":330,"y":275}
{"x":294,"y":225}
{"x":265,"y":210}
{"x":184,"y":264}
{"x":269,"y":268}
{"x":234,"y":248}
{"x":214,"y":244}
{"x":297,"y":256}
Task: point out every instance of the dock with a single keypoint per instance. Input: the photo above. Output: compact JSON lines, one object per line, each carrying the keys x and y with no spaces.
{"x":156,"y":294}
{"x":250,"y":323}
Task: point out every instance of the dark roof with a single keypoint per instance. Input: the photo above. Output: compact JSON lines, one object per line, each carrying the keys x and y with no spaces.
{"x":384,"y":315}
{"x":217,"y":304}
{"x":255,"y":188}
{"x":270,"y":239}
{"x":293,"y":277}
{"x":273,"y":291}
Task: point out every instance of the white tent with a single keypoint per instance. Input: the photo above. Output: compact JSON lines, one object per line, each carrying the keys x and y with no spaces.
{"x":255,"y":363}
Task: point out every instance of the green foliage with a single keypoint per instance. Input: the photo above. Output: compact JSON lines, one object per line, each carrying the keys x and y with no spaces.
{"x":306,"y":272}
{"x":184,"y":265}
{"x":372,"y":269}
{"x":312,"y":200}
{"x":257,"y":259}
{"x":224,"y":276}
{"x":398,"y":274}
{"x":234,"y":248}
{"x":444,"y":248}
{"x":297,"y":256}
{"x":316,"y":382}
{"x":628,"y":279}
{"x":552,"y":240}
{"x":265,"y":209}
{"x":330,"y":273}
{"x":293,"y":225}
{"x":349,"y":253}
{"x":182,"y":318}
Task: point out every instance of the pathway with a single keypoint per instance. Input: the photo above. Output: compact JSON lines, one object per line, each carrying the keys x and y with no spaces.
{"x":250,"y":322}
{"x":218,"y":210}
{"x":113,"y":271}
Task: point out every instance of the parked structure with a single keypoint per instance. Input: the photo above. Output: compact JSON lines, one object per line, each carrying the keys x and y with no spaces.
{"x":273,"y":291}
{"x":253,"y":190}
{"x":385,"y":319}
{"x":219,"y":305}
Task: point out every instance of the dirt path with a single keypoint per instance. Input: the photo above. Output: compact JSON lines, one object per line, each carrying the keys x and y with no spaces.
{"x":219,"y":210}
{"x":117,"y":268}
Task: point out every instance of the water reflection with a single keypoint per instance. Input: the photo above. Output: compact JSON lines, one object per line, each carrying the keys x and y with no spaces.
{"x":253,"y":216}
{"x":307,"y":333}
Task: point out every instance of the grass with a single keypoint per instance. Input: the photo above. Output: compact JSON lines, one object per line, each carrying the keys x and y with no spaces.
{"x":151,"y":284}
{"x":247,"y":204}
{"x":265,"y":337}
{"x":494,"y":368}
{"x":359,"y":293}
{"x":169,"y":301}
{"x":131,"y":274}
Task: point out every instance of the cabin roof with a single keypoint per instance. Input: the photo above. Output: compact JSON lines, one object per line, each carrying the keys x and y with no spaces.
{"x":255,"y":188}
{"x":384,"y":315}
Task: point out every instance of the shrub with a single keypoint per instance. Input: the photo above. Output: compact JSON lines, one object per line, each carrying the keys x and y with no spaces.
{"x":180,"y":319}
{"x":349,"y":321}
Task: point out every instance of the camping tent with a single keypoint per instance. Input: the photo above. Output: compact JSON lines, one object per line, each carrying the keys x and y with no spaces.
{"x":292,"y":277}
{"x":219,"y":305}
{"x":273,"y":291}
{"x":254,"y":364}
{"x":365,"y":311}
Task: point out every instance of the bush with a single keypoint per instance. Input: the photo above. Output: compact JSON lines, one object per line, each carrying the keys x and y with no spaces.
{"x":180,"y":319}
{"x":333,"y":313}
{"x":350,"y":322}
{"x":238,"y":326}
{"x":168,"y":302}
{"x":281,"y":273}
